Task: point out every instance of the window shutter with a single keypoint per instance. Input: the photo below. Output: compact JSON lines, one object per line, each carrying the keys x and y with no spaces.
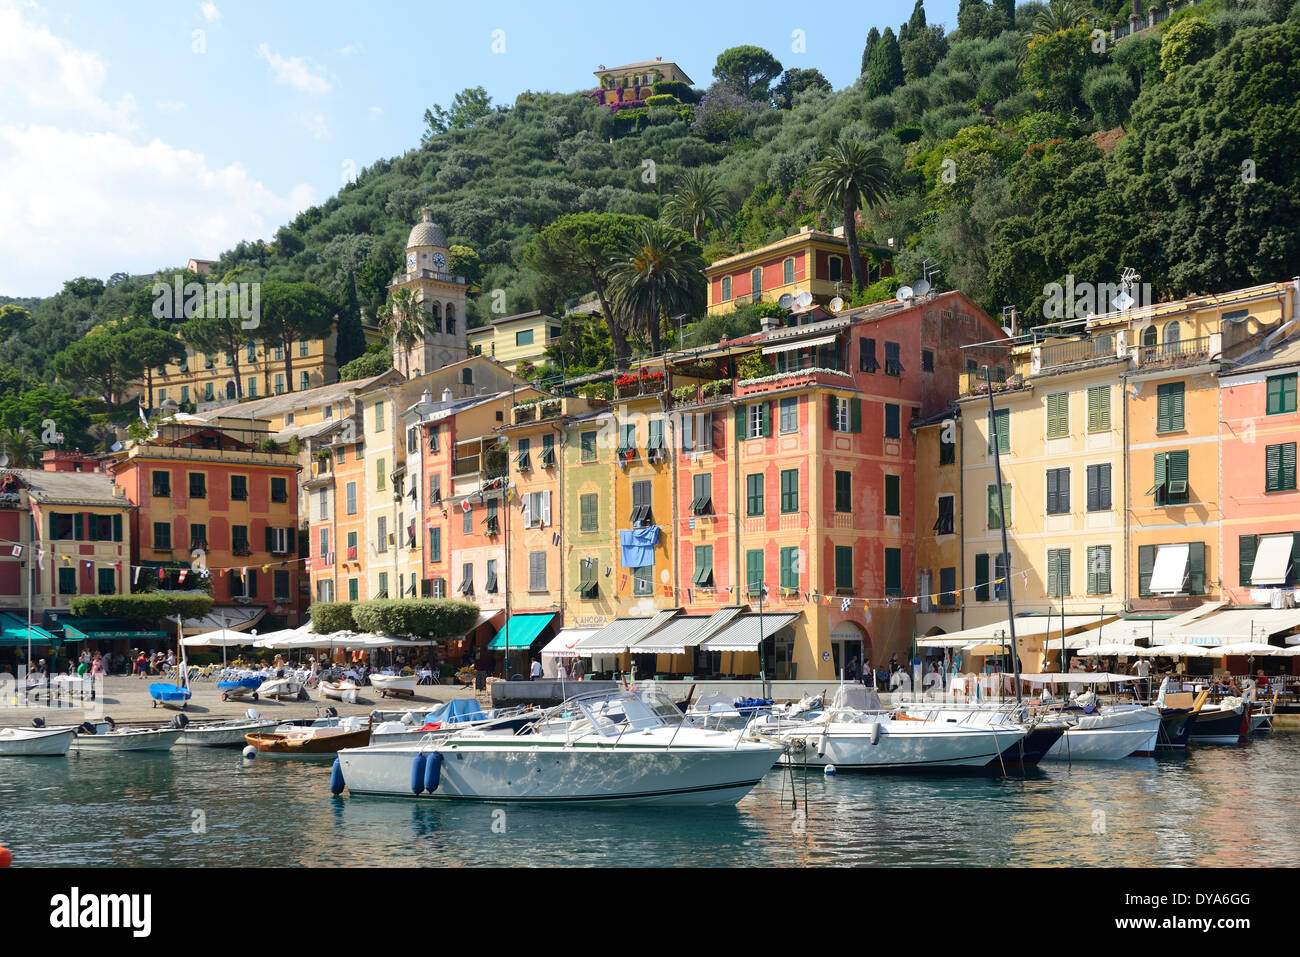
{"x":1063,"y":489}
{"x":78,"y":527}
{"x":1146,"y":565}
{"x":1293,"y":578}
{"x":252,"y":583}
{"x":1064,"y":585}
{"x":688,"y":433}
{"x":981,"y":577}
{"x":994,"y":520}
{"x":765,"y":419}
{"x":1159,"y":479}
{"x":1177,"y":466}
{"x":1057,"y":414}
{"x":1272,"y":468}
{"x":741,"y":430}
{"x":1053,"y":573}
{"x":1288,"y":465}
{"x":1176,"y":408}
{"x":1196,"y":569}
{"x":1246,"y":545}
{"x":831,"y":403}
{"x":1053,"y":498}
{"x":1103,"y":487}
{"x":270,"y":536}
{"x":1094,"y":492}
{"x":855,"y":415}
{"x":1093,"y":554}
{"x":546,"y":507}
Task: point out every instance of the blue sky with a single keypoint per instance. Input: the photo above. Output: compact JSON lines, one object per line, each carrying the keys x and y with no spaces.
{"x":129,"y":141}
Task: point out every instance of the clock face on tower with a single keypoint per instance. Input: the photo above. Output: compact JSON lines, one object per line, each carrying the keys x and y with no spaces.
{"x":439,"y":261}
{"x":410,"y":261}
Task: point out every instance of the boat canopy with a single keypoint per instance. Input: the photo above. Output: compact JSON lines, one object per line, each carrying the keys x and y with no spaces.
{"x":1077,"y":678}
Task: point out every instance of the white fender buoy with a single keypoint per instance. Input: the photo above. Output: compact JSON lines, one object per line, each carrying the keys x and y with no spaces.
{"x":250,"y":752}
{"x":830,"y":769}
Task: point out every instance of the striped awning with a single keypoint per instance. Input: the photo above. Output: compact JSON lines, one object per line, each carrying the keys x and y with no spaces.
{"x":620,"y":634}
{"x":747,"y":632}
{"x":799,"y":344}
{"x":673,"y":638}
{"x":14,"y":631}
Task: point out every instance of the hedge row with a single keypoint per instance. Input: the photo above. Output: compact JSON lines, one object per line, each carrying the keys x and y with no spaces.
{"x":400,"y":617}
{"x":149,"y":605}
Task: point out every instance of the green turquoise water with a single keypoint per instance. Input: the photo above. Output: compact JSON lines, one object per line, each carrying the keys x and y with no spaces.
{"x":1226,"y":806}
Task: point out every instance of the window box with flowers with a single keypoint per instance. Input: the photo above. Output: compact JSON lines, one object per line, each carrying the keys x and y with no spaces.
{"x":652,"y":383}
{"x":626,"y":385}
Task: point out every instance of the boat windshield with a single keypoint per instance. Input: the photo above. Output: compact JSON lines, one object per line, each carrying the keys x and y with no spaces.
{"x":622,"y":712}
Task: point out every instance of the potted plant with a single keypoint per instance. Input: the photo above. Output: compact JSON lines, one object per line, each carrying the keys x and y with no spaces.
{"x":626,"y":385}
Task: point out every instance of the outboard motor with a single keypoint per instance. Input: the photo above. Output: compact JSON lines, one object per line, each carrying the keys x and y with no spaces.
{"x":331,"y":712}
{"x":251,"y":714}
{"x":86,"y":727}
{"x":38,"y":722}
{"x":112,"y":725}
{"x":179,"y":721}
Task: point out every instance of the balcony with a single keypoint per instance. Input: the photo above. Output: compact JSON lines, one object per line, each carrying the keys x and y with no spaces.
{"x":628,"y":386}
{"x":11,"y":500}
{"x":1183,"y":352}
{"x":1079,"y":352}
{"x":699,"y":394}
{"x":795,"y":379}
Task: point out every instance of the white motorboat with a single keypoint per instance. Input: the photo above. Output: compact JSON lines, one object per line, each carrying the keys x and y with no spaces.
{"x":393,"y":684}
{"x":865,"y":741}
{"x":30,"y":742}
{"x":345,"y":689}
{"x":1111,"y":733}
{"x":104,"y":736}
{"x":224,"y":734}
{"x":457,"y":715}
{"x":603,"y":747}
{"x":289,"y":687}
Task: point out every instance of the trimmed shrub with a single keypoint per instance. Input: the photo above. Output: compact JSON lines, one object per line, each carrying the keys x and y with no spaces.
{"x":328,"y":617}
{"x":661,"y":99}
{"x":151,"y":605}
{"x":416,"y":617}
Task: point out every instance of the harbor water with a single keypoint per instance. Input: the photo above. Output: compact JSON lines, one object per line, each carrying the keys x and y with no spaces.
{"x":1213,"y":806}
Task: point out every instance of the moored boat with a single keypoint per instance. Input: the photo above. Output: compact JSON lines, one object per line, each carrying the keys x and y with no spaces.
{"x":310,"y":741}
{"x":103,"y":736}
{"x":345,"y":689}
{"x":1109,"y":734}
{"x":35,"y":741}
{"x":282,"y":687}
{"x":1227,"y":722}
{"x":604,"y":747}
{"x":223,"y":734}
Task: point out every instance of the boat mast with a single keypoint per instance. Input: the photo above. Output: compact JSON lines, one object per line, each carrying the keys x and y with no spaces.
{"x":1002,"y":520}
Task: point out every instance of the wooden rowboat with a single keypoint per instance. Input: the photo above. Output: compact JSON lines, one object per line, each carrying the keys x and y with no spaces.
{"x":308,"y":742}
{"x":393,"y":684}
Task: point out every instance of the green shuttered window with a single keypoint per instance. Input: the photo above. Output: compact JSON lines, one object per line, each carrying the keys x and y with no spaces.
{"x":1058,"y":415}
{"x":1169,"y":407}
{"x":1099,"y":408}
{"x":1279,"y":468}
{"x":1281,"y":392}
{"x":1000,"y":422}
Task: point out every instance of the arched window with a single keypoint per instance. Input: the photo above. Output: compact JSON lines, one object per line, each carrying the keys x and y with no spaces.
{"x":726,"y":288}
{"x":435,"y":316}
{"x":450,"y":327}
{"x":230,"y":390}
{"x":1173,"y":333}
{"x":1149,"y":336}
{"x":756,"y":283}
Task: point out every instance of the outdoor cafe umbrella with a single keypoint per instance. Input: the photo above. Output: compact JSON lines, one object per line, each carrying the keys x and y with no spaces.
{"x":1110,"y":649}
{"x":1176,"y":650}
{"x":1254,"y":649}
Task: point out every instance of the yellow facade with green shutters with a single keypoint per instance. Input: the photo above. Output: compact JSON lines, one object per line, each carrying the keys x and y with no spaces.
{"x":515,"y":339}
{"x":590,"y":525}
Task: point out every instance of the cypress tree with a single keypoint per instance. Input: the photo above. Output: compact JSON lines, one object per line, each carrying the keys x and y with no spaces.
{"x":1008,"y":8}
{"x":917,"y":23}
{"x":885,"y":72}
{"x":872,"y":39}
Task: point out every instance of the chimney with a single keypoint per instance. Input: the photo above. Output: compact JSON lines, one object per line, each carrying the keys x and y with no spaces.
{"x":447,"y":396}
{"x":768,"y":323}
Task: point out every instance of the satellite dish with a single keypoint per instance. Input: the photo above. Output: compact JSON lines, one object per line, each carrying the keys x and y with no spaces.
{"x":786,"y":301}
{"x":804,"y":299}
{"x":117,"y":447}
{"x":904,"y":293}
{"x":1007,"y":330}
{"x":1122,"y":302}
{"x":836,"y":304}
{"x":921,"y":287}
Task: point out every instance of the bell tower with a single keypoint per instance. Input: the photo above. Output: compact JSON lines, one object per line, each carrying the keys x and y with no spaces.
{"x":441,"y":296}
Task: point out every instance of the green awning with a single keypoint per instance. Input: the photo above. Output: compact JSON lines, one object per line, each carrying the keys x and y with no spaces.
{"x":105,"y":629}
{"x":521,"y":631}
{"x":13,"y":631}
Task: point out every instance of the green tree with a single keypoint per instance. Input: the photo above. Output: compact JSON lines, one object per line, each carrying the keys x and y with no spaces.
{"x":748,"y":70}
{"x":1183,"y":42}
{"x":13,"y":318}
{"x":696,"y":202}
{"x":873,"y":37}
{"x":467,"y":108}
{"x":1109,"y":92}
{"x":405,"y":320}
{"x":102,"y":362}
{"x":1055,"y":64}
{"x":922,"y":51}
{"x":29,"y":409}
{"x":152,"y":349}
{"x":848,"y":176}
{"x":659,"y":272}
{"x":292,"y":311}
{"x":216,"y":336}
{"x":795,"y":81}
{"x":885,"y":72}
{"x":577,"y":250}
{"x":583,"y":345}
{"x":22,"y":449}
{"x":464,"y":261}
{"x":376,"y":360}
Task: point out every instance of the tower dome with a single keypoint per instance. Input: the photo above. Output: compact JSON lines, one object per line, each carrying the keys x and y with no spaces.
{"x":426,"y":232}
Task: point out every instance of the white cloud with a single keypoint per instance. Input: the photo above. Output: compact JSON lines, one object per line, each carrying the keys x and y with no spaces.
{"x":45,"y":75}
{"x":210,"y":12}
{"x":314,"y":123}
{"x":169,"y":106}
{"x":135,"y":208}
{"x":352,"y":49}
{"x":376,"y":112}
{"x":295,"y":71}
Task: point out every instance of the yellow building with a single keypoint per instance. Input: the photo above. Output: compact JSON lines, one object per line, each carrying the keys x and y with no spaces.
{"x":515,"y":339}
{"x":936,"y":520}
{"x":633,"y":82}
{"x":810,"y":261}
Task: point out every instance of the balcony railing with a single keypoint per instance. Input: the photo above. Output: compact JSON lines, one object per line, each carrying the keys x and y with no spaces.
{"x":795,"y":378}
{"x":1176,"y":353}
{"x":1072,"y":353}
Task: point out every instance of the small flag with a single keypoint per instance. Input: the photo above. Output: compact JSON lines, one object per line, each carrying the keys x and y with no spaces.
{"x":392,"y":539}
{"x":265,"y":569}
{"x":668,"y":591}
{"x":142,"y":415}
{"x":181,"y":579}
{"x":555,"y":539}
{"x":510,"y":495}
{"x":90,"y":571}
{"x":16,"y":551}
{"x":845,"y":604}
{"x":66,"y":559}
{"x":915,"y":600}
{"x":690,"y":596}
{"x":570,"y":551}
{"x":622,"y":582}
{"x":135,"y":579}
{"x":40,"y":558}
{"x":608,"y":569}
{"x":826,"y":599}
{"x":243,"y":574}
{"x":465,"y":506}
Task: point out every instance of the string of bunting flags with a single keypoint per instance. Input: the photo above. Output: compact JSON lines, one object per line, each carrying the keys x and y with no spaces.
{"x":17,"y":549}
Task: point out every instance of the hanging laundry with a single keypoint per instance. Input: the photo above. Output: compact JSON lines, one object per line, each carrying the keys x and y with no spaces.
{"x":637,"y":546}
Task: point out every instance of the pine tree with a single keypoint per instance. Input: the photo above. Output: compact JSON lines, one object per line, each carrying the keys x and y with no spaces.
{"x":917,"y":23}
{"x":885,"y":72}
{"x":1008,"y":8}
{"x":872,"y":39}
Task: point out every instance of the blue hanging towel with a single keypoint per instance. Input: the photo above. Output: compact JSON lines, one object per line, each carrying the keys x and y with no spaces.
{"x":637,"y":546}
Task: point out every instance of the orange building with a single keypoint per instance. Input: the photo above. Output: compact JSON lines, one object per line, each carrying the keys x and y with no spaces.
{"x":207,"y":494}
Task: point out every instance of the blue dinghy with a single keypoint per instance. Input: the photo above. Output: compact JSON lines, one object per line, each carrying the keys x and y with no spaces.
{"x":240,"y":688}
{"x":168,"y":694}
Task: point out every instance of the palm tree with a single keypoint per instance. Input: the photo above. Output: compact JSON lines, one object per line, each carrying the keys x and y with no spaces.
{"x":848,"y":176}
{"x":403,"y":317}
{"x":21,"y":447}
{"x":659,"y":272}
{"x":1059,"y":15}
{"x":696,"y":203}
